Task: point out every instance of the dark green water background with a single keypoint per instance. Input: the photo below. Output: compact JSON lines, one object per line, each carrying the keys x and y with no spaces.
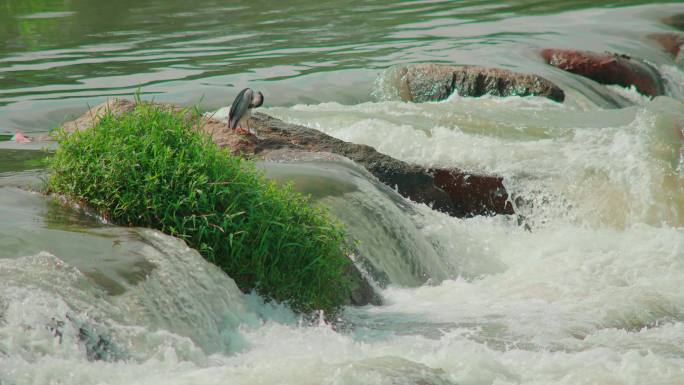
{"x":58,"y":56}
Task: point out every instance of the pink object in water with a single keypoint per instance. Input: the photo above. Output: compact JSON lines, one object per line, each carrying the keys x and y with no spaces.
{"x":19,"y":137}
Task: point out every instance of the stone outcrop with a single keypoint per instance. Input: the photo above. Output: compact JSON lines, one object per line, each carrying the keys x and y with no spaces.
{"x":411,"y":181}
{"x":474,"y":194}
{"x":671,"y":42}
{"x":608,"y":68}
{"x":451,"y":191}
{"x":433,"y":82}
{"x":362,"y":293}
{"x":675,"y":21}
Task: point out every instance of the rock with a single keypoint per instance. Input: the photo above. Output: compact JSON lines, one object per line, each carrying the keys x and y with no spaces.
{"x":92,"y":116}
{"x":422,"y":82}
{"x":608,"y":68}
{"x":390,"y":370}
{"x":675,"y":21}
{"x":411,"y":181}
{"x":362,"y":292}
{"x":452,"y":191}
{"x":433,"y":82}
{"x":97,"y":347}
{"x":474,"y":194}
{"x":671,"y":42}
{"x":478,"y":81}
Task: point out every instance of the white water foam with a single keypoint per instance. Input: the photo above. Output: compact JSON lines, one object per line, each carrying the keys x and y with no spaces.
{"x":615,"y":167}
{"x":590,"y":294}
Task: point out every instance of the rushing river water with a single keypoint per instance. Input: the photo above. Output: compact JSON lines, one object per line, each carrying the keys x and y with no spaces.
{"x":583,"y":287}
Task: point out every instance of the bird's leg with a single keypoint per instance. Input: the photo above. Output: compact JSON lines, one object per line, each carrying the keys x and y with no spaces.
{"x":239,"y":129}
{"x":251,"y":132}
{"x":243,"y":130}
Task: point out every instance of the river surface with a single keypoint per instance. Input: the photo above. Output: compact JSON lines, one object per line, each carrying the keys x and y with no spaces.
{"x":584,"y":286}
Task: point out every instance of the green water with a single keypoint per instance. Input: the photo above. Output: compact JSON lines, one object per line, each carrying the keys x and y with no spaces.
{"x":56,"y":57}
{"x":20,"y":160}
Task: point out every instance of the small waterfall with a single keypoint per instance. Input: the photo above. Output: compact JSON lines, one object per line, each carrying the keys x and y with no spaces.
{"x":392,"y":247}
{"x":112,"y":293}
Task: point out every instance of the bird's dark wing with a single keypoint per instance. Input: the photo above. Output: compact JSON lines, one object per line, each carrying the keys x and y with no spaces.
{"x":239,"y":107}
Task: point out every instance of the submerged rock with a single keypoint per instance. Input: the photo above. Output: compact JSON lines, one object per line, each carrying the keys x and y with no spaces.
{"x":671,"y":42}
{"x":97,"y":346}
{"x":433,"y":82}
{"x":390,"y":370}
{"x":675,"y":21}
{"x":608,"y":68}
{"x":362,"y":292}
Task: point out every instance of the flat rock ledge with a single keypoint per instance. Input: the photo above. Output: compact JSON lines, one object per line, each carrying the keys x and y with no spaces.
{"x":451,"y":191}
{"x":608,"y":68}
{"x":429,"y":82}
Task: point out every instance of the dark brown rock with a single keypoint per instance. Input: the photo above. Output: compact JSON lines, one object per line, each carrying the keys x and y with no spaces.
{"x":474,"y":194}
{"x":608,"y":68}
{"x":456,"y":193}
{"x":433,"y":82}
{"x":422,"y":82}
{"x":671,"y":42}
{"x":411,"y":181}
{"x":478,"y":81}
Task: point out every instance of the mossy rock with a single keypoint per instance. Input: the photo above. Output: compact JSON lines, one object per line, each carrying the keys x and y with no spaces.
{"x":155,"y":167}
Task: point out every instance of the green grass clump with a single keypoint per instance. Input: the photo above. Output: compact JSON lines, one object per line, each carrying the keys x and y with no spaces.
{"x":151,"y":168}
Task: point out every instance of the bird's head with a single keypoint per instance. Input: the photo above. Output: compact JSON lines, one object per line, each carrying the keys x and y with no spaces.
{"x":257,"y":100}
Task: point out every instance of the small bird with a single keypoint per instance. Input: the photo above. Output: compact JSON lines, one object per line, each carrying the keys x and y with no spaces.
{"x":241,"y":110}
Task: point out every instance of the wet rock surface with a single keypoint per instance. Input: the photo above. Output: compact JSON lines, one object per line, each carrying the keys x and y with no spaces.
{"x":474,"y":194}
{"x":675,"y":21}
{"x":97,"y":347}
{"x":450,"y":191}
{"x":608,"y":68}
{"x":671,"y":42}
{"x":459,"y":194}
{"x":362,"y":292}
{"x":434,"y":82}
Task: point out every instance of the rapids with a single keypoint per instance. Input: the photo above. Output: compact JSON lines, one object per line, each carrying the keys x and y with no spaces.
{"x":583,"y":286}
